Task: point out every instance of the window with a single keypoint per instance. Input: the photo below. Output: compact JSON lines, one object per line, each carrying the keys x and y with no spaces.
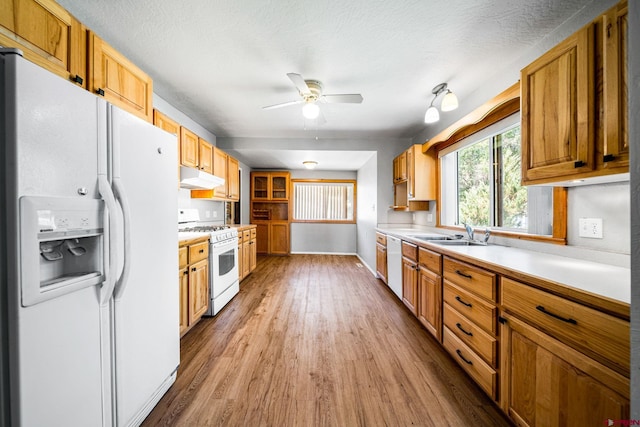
{"x":324,"y":200}
{"x":481,"y":183}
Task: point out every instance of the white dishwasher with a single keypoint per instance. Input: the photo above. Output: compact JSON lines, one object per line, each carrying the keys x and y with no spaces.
{"x":394,"y":265}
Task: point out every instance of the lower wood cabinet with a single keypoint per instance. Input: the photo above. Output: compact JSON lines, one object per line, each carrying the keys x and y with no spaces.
{"x":410,"y":276}
{"x":381,"y":256}
{"x":247,"y":252}
{"x":272,"y":238}
{"x":429,"y":310}
{"x":194,"y":282}
{"x":548,"y":383}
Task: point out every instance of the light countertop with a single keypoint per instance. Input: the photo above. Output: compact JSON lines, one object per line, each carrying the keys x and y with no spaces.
{"x":589,"y":277}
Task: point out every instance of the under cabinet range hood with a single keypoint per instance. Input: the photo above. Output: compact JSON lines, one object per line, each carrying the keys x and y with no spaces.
{"x":195,"y":179}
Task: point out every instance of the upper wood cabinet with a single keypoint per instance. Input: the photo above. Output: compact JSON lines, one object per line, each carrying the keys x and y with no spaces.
{"x":575,"y":106}
{"x":414,"y":179}
{"x":220,"y":170}
{"x":613,"y":31}
{"x":165,"y":123}
{"x":118,"y":80}
{"x":223,"y":166}
{"x":272,"y":186}
{"x":47,"y":34}
{"x":233,"y":179}
{"x":557,"y":110}
{"x":189,"y":148}
{"x":205,"y":156}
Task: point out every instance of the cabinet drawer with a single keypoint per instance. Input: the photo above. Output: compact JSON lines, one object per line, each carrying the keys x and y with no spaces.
{"x":253,"y":233}
{"x":483,"y":374}
{"x":430,"y":260}
{"x":198,"y":252}
{"x":473,"y":279}
{"x":410,"y":251}
{"x":473,"y":308}
{"x":240,"y":238}
{"x":381,"y":238}
{"x":246,"y":235}
{"x":472,"y":335}
{"x":603,"y":337}
{"x":183,"y":258}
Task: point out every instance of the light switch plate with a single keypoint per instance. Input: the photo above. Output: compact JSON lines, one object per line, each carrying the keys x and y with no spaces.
{"x":590,"y":228}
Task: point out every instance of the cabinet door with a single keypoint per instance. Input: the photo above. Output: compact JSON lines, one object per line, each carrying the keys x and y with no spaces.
{"x":279,"y":185}
{"x":381,"y":262}
{"x":557,"y":111}
{"x":220,"y":170}
{"x":246,"y":258}
{"x":279,"y":238}
{"x":48,"y":36}
{"x":233,"y":180}
{"x":410,"y":284}
{"x":400,"y":168}
{"x":260,"y":186}
{"x":184,"y":300}
{"x":616,"y":113}
{"x":253,"y":256}
{"x":550,"y":384}
{"x":189,"y":148}
{"x":119,"y":80}
{"x":430,"y":302}
{"x":198,"y":290}
{"x":205,"y":156}
{"x":240,"y":262}
{"x":411,"y":172}
{"x":262,"y":238}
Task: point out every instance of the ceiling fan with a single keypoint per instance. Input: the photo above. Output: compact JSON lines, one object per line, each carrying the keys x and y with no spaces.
{"x":311,"y":93}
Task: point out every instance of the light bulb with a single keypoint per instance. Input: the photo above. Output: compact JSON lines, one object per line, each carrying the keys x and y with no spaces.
{"x":432,"y":115}
{"x":310,"y":110}
{"x":449,"y":102}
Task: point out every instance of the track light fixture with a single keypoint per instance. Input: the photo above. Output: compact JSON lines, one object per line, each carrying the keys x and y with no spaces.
{"x":449,"y":103}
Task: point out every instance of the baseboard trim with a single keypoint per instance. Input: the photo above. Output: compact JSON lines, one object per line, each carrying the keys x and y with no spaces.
{"x":324,"y":253}
{"x":367,"y":265}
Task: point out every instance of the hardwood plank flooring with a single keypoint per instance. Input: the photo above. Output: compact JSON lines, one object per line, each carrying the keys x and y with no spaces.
{"x":315,"y":340}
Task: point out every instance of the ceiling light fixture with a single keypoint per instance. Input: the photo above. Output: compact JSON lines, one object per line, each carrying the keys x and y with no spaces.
{"x":311,"y":110}
{"x":310,"y":164}
{"x":449,"y":103}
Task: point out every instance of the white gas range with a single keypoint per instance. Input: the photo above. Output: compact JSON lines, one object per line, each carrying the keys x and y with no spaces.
{"x":223,"y":256}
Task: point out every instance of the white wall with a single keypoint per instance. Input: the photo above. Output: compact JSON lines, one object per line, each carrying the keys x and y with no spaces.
{"x":368,"y":190}
{"x":323,"y":238}
{"x":634,"y":142}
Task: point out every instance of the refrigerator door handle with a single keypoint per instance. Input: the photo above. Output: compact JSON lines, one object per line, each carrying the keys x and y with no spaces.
{"x":107,"y":195}
{"x":121,"y":282}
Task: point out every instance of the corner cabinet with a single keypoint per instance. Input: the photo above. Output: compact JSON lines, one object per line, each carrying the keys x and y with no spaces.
{"x":414,"y":180}
{"x":48,"y":35}
{"x":574,"y":105}
{"x":270,"y":211}
{"x":118,"y":80}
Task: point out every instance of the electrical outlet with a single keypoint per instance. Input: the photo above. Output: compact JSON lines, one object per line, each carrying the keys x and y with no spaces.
{"x":215,"y":214}
{"x":207,"y":214}
{"x":413,"y":217}
{"x":590,"y":228}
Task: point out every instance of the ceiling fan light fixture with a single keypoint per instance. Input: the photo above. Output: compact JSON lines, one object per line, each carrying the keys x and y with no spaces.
{"x":449,"y":102}
{"x":432,"y":115}
{"x":311,"y":110}
{"x":310,"y":164}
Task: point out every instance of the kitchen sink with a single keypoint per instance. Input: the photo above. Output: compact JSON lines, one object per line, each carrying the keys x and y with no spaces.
{"x":430,"y":237}
{"x":458,"y":243}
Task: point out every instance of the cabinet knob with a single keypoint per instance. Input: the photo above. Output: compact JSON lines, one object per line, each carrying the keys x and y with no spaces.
{"x":193,"y":269}
{"x":201,"y":251}
{"x":186,"y":272}
{"x":77,"y":79}
{"x":100,"y":92}
{"x":608,"y":158}
{"x":578,"y":164}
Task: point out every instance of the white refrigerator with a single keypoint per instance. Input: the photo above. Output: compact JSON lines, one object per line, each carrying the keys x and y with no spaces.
{"x":89,"y":300}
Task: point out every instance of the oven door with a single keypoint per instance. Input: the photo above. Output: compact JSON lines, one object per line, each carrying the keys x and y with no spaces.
{"x":224,"y":266}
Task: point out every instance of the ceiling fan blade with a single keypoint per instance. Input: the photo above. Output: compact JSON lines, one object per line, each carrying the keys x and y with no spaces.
{"x":354,"y":98}
{"x":300,"y":84}
{"x":284,"y":104}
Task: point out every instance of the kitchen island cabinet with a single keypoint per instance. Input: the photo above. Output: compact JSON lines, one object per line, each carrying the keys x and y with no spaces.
{"x":193,"y":281}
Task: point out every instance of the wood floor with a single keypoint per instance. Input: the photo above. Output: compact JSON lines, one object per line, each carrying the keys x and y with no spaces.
{"x":315,"y":340}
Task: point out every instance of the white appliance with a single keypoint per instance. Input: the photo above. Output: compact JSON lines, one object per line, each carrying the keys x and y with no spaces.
{"x":394,"y":265}
{"x":224,"y":283}
{"x":90,"y":333}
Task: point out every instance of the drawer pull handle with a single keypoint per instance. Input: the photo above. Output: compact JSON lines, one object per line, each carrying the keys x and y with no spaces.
{"x":468,"y":304}
{"x":193,"y":269}
{"x":186,"y":272}
{"x":460,"y":273}
{"x":465,"y":332}
{"x":468,"y":362}
{"x":201,"y":251}
{"x":564,"y":319}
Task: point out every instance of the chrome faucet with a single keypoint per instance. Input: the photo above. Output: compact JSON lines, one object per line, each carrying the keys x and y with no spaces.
{"x":469,"y":230}
{"x":487,"y":234}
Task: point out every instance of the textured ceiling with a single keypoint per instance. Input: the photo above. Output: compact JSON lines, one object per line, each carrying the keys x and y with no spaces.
{"x":219,"y":62}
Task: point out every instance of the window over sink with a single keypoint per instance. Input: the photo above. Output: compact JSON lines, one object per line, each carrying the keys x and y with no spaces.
{"x":480,"y":183}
